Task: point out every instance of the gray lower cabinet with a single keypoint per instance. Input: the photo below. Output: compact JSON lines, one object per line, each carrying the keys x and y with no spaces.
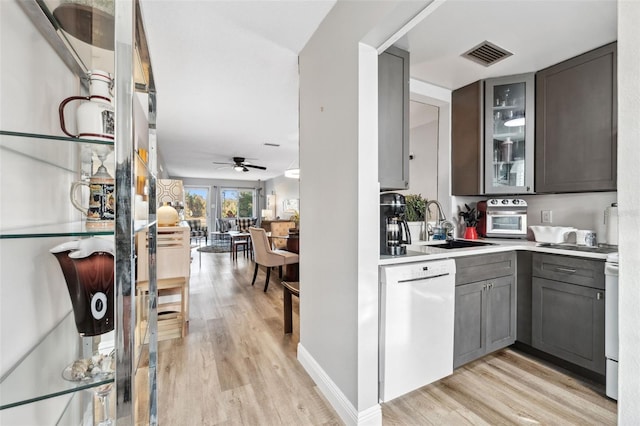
{"x":576,"y":124}
{"x":485,"y":310}
{"x":568,"y":309}
{"x":393,"y":119}
{"x":523,"y":292}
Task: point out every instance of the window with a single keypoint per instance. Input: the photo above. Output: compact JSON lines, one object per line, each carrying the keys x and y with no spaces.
{"x":196,"y":203}
{"x":237,"y":202}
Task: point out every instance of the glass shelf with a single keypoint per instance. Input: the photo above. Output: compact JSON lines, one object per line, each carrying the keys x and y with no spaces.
{"x":515,"y":136}
{"x":30,"y":381}
{"x":54,"y":138}
{"x":72,"y":229}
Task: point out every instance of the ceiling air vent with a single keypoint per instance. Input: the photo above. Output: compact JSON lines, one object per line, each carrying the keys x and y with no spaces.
{"x":486,"y":53}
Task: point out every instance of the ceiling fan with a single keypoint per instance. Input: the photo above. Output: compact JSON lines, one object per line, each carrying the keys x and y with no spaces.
{"x":239,"y":165}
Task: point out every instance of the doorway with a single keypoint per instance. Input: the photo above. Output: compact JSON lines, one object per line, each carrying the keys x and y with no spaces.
{"x":423,"y":141}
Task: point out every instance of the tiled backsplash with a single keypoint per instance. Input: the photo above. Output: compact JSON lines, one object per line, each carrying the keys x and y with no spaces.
{"x":582,"y":211}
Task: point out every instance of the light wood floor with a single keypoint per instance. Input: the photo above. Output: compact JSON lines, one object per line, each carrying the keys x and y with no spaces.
{"x":236,"y":367}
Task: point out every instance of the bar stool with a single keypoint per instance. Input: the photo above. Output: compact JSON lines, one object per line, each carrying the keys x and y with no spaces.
{"x":238,"y":242}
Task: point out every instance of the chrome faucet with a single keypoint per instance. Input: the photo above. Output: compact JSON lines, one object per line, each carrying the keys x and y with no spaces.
{"x":442,"y":220}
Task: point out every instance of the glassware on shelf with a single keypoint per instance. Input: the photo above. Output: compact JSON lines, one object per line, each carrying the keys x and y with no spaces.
{"x":507,"y":150}
{"x":102,"y":392}
{"x":97,"y":367}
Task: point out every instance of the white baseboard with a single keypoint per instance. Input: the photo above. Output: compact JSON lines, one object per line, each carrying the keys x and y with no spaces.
{"x":372,"y":416}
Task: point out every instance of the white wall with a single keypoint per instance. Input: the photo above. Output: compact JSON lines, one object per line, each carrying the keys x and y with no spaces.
{"x":339,"y":254}
{"x":34,"y":189}
{"x":282,"y":188}
{"x":629,"y":209}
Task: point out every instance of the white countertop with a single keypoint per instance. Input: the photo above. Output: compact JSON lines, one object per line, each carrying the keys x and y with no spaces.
{"x":425,"y":251}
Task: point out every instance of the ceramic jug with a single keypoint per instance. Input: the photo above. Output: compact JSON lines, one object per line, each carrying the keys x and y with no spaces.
{"x":102,"y":200}
{"x":88,"y":269}
{"x":95,"y":117}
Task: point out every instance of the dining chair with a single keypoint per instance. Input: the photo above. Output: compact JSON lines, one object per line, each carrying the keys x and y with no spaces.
{"x":267,"y":257}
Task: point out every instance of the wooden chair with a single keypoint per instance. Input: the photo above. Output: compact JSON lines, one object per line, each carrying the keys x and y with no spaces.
{"x":267,"y":257}
{"x":290,"y":289}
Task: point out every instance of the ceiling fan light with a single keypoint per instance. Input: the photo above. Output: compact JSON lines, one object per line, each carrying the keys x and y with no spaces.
{"x":239,"y":168}
{"x":292,"y":173}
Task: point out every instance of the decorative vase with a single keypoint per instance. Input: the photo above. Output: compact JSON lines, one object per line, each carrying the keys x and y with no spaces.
{"x":471,"y":233}
{"x":167,"y":215}
{"x":88,"y":269}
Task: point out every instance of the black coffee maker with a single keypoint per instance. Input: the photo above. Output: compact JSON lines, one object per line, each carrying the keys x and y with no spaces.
{"x":394,"y":230}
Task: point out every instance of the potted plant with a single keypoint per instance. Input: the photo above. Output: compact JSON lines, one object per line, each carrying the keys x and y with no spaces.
{"x":414,"y":215}
{"x":470,"y":217}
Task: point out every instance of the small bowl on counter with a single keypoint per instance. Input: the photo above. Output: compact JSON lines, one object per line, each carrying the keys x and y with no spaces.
{"x":551,"y":234}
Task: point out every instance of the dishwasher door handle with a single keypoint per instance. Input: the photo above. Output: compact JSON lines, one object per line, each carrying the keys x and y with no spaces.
{"x":412,"y":280}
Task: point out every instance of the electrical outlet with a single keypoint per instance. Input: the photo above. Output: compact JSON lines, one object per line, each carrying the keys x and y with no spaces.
{"x":546,"y":216}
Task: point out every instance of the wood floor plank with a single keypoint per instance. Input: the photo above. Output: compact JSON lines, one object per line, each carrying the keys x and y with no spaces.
{"x":236,"y":366}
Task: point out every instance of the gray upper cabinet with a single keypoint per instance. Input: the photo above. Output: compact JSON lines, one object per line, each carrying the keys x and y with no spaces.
{"x":393,"y":119}
{"x":492,"y":136}
{"x":576,"y":126}
{"x":509,"y":134}
{"x":466,"y":139}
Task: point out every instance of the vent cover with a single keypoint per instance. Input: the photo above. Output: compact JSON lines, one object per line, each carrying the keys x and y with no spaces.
{"x":486,"y":53}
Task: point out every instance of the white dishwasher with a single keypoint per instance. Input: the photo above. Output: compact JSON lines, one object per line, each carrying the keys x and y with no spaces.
{"x":416,"y":325}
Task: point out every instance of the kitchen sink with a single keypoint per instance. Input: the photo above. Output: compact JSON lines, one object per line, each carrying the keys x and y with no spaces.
{"x":454,"y":244}
{"x":600,"y":249}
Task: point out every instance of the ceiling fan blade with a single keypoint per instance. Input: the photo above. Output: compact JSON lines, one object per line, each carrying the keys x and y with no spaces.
{"x":255,"y":167}
{"x":226,"y":163}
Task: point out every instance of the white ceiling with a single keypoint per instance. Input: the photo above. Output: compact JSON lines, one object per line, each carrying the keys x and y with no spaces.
{"x":227,"y":78}
{"x":539,"y":33}
{"x":226,"y":73}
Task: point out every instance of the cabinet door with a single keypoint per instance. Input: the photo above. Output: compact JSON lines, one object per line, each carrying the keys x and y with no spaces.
{"x":576,"y":130}
{"x":469,"y":338}
{"x":509,"y":132}
{"x":568,"y":322}
{"x":393,"y":119}
{"x":466,"y":139}
{"x":501,"y":313}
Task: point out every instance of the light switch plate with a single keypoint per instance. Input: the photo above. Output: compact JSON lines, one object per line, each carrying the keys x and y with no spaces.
{"x":546,"y":216}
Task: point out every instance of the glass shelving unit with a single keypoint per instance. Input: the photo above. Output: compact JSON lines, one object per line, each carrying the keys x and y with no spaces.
{"x":34,"y":378}
{"x":18,"y":386}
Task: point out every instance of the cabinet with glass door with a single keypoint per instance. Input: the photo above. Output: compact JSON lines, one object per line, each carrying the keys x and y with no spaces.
{"x":509,"y":133}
